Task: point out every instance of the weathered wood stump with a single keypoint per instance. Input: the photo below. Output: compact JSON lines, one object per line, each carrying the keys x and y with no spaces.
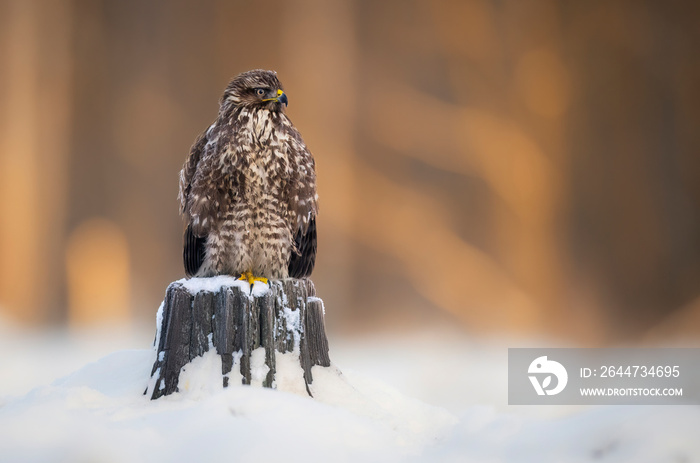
{"x":222,"y":313}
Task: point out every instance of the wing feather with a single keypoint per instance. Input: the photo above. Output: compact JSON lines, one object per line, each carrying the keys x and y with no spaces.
{"x":303,"y":258}
{"x":303,"y":202}
{"x":189,"y":169}
{"x":193,"y":245}
{"x":193,"y":252}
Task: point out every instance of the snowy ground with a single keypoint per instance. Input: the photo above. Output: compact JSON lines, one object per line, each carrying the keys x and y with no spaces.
{"x":429,"y":397}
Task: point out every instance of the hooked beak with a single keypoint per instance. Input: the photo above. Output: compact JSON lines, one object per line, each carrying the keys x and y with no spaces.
{"x":281,"y":97}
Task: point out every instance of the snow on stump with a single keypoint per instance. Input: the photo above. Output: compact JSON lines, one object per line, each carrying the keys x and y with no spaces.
{"x":222,"y":313}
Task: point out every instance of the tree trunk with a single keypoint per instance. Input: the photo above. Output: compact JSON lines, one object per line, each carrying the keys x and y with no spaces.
{"x":223,"y":313}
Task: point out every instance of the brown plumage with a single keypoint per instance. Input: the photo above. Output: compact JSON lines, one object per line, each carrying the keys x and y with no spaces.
{"x":248,"y":188}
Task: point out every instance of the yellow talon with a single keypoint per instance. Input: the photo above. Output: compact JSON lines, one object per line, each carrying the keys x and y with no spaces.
{"x":251,"y":279}
{"x":247,"y":276}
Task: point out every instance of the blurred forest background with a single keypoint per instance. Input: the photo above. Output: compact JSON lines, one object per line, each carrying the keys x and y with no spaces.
{"x":523,"y":166}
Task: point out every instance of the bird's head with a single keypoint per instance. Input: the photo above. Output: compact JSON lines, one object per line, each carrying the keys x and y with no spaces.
{"x":256,"y":89}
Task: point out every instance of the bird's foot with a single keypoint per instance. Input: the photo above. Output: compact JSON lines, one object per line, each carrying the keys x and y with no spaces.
{"x":251,"y":279}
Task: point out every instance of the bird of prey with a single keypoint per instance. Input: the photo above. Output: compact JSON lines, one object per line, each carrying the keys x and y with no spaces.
{"x":248,"y":189}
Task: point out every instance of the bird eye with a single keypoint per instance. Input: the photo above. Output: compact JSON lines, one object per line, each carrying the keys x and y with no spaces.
{"x":260,"y":91}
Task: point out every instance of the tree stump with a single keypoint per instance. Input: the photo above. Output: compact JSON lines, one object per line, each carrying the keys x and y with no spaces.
{"x":224,"y":314}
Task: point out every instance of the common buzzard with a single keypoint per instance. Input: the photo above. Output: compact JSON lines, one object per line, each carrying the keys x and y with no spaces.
{"x":248,"y":188}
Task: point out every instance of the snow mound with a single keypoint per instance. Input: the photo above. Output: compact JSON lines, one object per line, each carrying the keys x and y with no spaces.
{"x":99,"y":413}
